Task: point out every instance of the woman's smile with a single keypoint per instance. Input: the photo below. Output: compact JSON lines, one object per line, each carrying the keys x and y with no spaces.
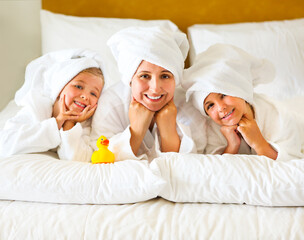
{"x":229,"y":115}
{"x":153,"y":98}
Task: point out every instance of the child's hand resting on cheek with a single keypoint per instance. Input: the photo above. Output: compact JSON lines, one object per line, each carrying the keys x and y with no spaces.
{"x":67,"y":119}
{"x":233,"y":138}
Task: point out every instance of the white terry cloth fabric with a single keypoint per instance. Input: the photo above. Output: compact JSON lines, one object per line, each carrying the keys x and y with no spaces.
{"x":33,"y":129}
{"x":47,"y":75}
{"x":112,"y":120}
{"x":231,"y":71}
{"x":226,"y":69}
{"x":156,"y":45}
{"x":276,"y":124}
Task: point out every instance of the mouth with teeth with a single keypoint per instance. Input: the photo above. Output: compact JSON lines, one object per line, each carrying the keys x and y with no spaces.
{"x":80,"y":105}
{"x":228,"y":114}
{"x":153,"y":98}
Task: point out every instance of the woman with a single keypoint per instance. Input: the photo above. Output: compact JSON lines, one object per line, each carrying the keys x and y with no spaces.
{"x":146,"y":114}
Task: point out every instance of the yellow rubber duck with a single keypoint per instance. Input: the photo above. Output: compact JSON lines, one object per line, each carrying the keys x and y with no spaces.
{"x":103,"y":154}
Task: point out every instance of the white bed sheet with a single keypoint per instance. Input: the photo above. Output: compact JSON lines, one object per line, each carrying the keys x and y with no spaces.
{"x":154,"y":219}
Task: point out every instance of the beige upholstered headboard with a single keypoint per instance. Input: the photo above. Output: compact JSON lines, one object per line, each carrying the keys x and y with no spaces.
{"x":183,"y":13}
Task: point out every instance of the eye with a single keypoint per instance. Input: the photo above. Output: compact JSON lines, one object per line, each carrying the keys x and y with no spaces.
{"x":144,"y":76}
{"x":78,"y":86}
{"x":93,"y":94}
{"x":166,"y":76}
{"x":209,"y":106}
{"x":222,"y":96}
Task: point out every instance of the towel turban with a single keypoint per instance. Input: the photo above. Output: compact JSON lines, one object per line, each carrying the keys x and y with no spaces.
{"x":157,"y":45}
{"x":47,"y":75}
{"x":225,"y":69}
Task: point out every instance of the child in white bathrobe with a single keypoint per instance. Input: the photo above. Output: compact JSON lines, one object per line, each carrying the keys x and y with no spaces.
{"x":221,"y":84}
{"x":58,"y":98}
{"x":146,"y":114}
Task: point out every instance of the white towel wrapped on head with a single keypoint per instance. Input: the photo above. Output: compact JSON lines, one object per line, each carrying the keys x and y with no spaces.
{"x":156,"y":45}
{"x":47,"y":75}
{"x":225,"y":69}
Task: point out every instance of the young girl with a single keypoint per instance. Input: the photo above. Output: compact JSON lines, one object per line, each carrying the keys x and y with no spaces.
{"x":145,"y":114}
{"x":58,"y":98}
{"x":221,"y":84}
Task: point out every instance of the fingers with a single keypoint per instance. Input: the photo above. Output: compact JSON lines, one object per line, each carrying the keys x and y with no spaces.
{"x":91,"y":111}
{"x":62,"y":104}
{"x":171,"y":102}
{"x":133,"y":100}
{"x":244,"y":121}
{"x":248,"y":113}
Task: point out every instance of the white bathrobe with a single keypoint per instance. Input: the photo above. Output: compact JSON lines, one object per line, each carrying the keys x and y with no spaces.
{"x":111,"y":119}
{"x":33,"y":130}
{"x":277,"y":124}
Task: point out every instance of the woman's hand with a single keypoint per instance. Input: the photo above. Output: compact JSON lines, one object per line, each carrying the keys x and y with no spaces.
{"x":166,"y":123}
{"x":233,"y":139}
{"x":140,"y":119}
{"x":140,"y":116}
{"x":165,"y":118}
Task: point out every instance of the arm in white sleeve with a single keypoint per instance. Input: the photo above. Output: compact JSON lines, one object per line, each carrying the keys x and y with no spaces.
{"x":111,"y":119}
{"x":188,"y":117}
{"x":121,"y":147}
{"x":216,"y":143}
{"x":285,"y":140}
{"x":187,"y":144}
{"x":27,"y":133}
{"x":279,"y":127}
{"x":75,"y":144}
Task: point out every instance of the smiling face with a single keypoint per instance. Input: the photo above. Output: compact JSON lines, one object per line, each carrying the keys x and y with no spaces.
{"x":152,"y":86}
{"x":83,"y":90}
{"x":223,"y":109}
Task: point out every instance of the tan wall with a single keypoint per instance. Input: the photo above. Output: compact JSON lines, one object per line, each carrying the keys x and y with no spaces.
{"x":19,"y":43}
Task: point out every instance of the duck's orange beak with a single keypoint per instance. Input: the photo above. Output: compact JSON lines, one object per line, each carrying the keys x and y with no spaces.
{"x":105,"y":142}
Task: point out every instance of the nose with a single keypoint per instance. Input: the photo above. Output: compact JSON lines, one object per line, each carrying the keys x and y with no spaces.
{"x":84,"y":96}
{"x":221,"y":106}
{"x":155,"y":84}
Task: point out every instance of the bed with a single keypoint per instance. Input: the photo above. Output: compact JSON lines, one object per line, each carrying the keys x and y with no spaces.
{"x":176,"y":196}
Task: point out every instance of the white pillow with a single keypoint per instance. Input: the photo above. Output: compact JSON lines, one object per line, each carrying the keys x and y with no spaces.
{"x":282,"y":42}
{"x":250,"y":179}
{"x":61,"y":31}
{"x":44,"y":178}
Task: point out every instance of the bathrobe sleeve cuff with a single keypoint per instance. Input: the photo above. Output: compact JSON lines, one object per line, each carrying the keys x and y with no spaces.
{"x":282,"y":154}
{"x":120,"y":146}
{"x":74,"y":145}
{"x":187,"y":144}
